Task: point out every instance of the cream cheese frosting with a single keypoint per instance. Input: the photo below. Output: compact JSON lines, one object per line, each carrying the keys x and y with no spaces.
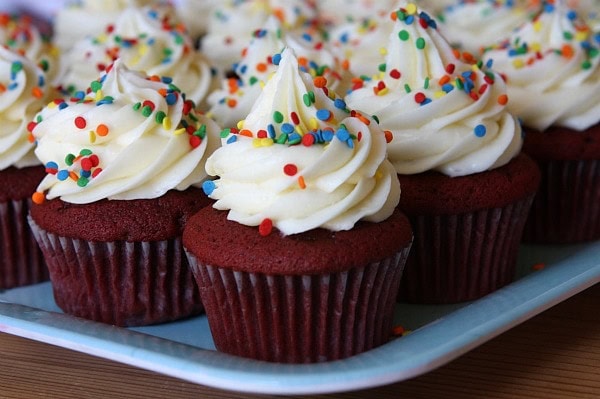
{"x":145,"y":42}
{"x":23,"y":92}
{"x":440,"y":113}
{"x":132,"y":137}
{"x":233,"y":22}
{"x":234,"y":100}
{"x":552,"y":70}
{"x":301,"y":160}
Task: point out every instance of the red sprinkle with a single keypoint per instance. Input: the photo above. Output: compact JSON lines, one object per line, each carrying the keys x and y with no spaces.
{"x":80,"y":122}
{"x":420,"y":97}
{"x":290,"y":169}
{"x":295,"y":119}
{"x":450,"y":68}
{"x":265,"y":227}
{"x":395,"y":74}
{"x":195,"y":141}
{"x":308,"y":140}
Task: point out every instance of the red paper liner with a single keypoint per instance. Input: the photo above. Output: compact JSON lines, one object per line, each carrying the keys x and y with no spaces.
{"x":567,"y":207}
{"x":457,"y":258}
{"x":21,"y":261}
{"x":120,"y":282}
{"x":300,"y":319}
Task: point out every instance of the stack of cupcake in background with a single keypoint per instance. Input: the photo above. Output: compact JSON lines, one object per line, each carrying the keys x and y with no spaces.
{"x":26,"y":60}
{"x":335,"y":119}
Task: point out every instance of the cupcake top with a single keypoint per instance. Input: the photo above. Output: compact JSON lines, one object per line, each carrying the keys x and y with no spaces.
{"x":473,"y":24}
{"x":88,"y":18}
{"x":195,"y":15}
{"x":132,"y":137}
{"x":233,"y":102}
{"x":18,"y":33}
{"x":233,"y":22}
{"x":145,"y":42}
{"x":336,"y":12}
{"x":23,"y":92}
{"x":552,"y":70}
{"x":301,"y":160}
{"x":440,"y":113}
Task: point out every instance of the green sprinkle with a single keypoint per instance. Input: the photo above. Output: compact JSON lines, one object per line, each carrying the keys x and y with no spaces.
{"x":382,"y":67}
{"x":282,"y":138}
{"x":147,"y":110}
{"x":568,"y":35}
{"x":16,"y":67}
{"x":459,"y":84}
{"x":403,"y":35}
{"x":82,"y":181}
{"x":45,"y":65}
{"x":225,"y":132}
{"x":95,"y":86}
{"x":420,"y":43}
{"x":253,"y":80}
{"x":407,"y":88}
{"x":69,"y":159}
{"x":586,"y":64}
{"x":375,"y":118}
{"x":426,"y":84}
{"x":201,"y":132}
{"x":137,"y":106}
{"x":85,"y":152}
{"x":277,"y":117}
{"x":160,"y":116}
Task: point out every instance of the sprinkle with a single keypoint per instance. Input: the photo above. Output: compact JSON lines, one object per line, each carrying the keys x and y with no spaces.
{"x":290,"y":169}
{"x":538,"y":266}
{"x":80,"y":122}
{"x":277,"y":117}
{"x":62,"y":175}
{"x":395,"y":74}
{"x":324,"y":114}
{"x":308,"y":140}
{"x":208,"y":187}
{"x":38,"y":198}
{"x":69,"y":159}
{"x":266,"y":227}
{"x":102,"y":130}
{"x":389,"y":136}
{"x":320,"y":81}
{"x":502,"y":99}
{"x":287,"y":128}
{"x":195,"y":141}
{"x":480,"y":130}
{"x":420,"y":43}
{"x":342,"y":134}
{"x":403,"y":35}
{"x":301,"y":182}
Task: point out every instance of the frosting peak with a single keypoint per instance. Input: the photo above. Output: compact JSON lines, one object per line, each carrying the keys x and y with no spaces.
{"x":301,"y":160}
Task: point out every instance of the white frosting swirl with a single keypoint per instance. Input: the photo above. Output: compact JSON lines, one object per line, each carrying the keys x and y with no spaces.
{"x":552,"y":70}
{"x":147,"y":43}
{"x":23,"y":93}
{"x":339,"y":179}
{"x":137,"y":139}
{"x":441,"y":113}
{"x":234,"y":100}
{"x":472,"y":25}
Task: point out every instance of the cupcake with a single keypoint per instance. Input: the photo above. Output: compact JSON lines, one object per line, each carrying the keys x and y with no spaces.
{"x":234,"y":100}
{"x":146,"y":42}
{"x":232,"y":24}
{"x":300,"y":257}
{"x":121,"y":167}
{"x":456,"y":149}
{"x":23,"y":92}
{"x":552,"y":70}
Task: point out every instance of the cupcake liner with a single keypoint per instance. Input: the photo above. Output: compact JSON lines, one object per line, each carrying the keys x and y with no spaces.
{"x":21,"y":261}
{"x":567,"y":207}
{"x":303,"y":318}
{"x":457,"y":258}
{"x":122,"y":283}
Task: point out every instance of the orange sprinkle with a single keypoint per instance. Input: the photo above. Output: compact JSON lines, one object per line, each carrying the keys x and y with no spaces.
{"x":302,"y":61}
{"x":567,"y":51}
{"x":279,"y":14}
{"x":393,"y":16}
{"x":261,"y":67}
{"x":2,"y":88}
{"x":301,"y":182}
{"x":502,"y":99}
{"x":30,"y":137}
{"x":73,"y":176}
{"x":38,"y":198}
{"x":444,"y":79}
{"x":102,"y":130}
{"x":398,"y":330}
{"x":346,"y":64}
{"x":231,"y":102}
{"x":320,"y":82}
{"x":245,"y":132}
{"x":389,"y":136}
{"x":155,"y":78}
{"x":162,"y":92}
{"x":362,"y":118}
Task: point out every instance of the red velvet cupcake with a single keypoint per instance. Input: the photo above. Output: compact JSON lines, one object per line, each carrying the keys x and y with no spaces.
{"x":455,"y":147}
{"x":109,"y":215}
{"x":553,"y":81}
{"x":305,"y":266}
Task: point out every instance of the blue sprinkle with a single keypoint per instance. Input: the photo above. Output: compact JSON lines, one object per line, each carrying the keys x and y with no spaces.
{"x":327,"y":135}
{"x":62,"y":106}
{"x":52,"y":165}
{"x":344,"y":38}
{"x":243,"y":69}
{"x":41,"y":81}
{"x":86,"y":173}
{"x":287,"y":128}
{"x":276,"y":59}
{"x":447,"y":88}
{"x":342,"y":134}
{"x":409,"y":19}
{"x":572,"y":15}
{"x":171,"y":98}
{"x":80,"y":95}
{"x":426,"y":101}
{"x":350,"y":143}
{"x":62,"y":175}
{"x":166,"y":79}
{"x":232,"y":139}
{"x":13,"y":86}
{"x":489,"y":63}
{"x":271,"y":130}
{"x":323,"y":114}
{"x":294,"y":138}
{"x":208,"y":187}
{"x":339,"y":103}
{"x":480,"y":130}
{"x":548,"y":8}
{"x":307,"y":37}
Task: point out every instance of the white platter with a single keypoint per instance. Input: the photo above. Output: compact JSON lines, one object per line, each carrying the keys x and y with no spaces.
{"x":440,"y":333}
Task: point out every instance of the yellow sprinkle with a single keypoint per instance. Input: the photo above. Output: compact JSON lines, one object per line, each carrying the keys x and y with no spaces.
{"x":536,"y":47}
{"x":301,"y":130}
{"x":256,"y":143}
{"x":518,"y":64}
{"x":166,"y":123}
{"x":581,"y":36}
{"x":383,"y":91}
{"x":240,"y":124}
{"x":383,"y":51}
{"x":313,"y":123}
{"x":439,"y":94}
{"x":99,"y":95}
{"x":143,"y":50}
{"x":474,"y":67}
{"x":411,"y":8}
{"x":266,"y":142}
{"x":537,"y":26}
{"x":378,"y":174}
{"x":92,"y":137}
{"x":52,"y":105}
{"x":179,"y":131}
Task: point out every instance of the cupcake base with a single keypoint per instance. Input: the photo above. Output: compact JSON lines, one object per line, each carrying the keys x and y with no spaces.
{"x":467,"y":231}
{"x":21,"y":261}
{"x":309,"y":297}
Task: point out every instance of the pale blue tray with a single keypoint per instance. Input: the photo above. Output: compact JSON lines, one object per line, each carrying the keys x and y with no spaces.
{"x":441,"y":333}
